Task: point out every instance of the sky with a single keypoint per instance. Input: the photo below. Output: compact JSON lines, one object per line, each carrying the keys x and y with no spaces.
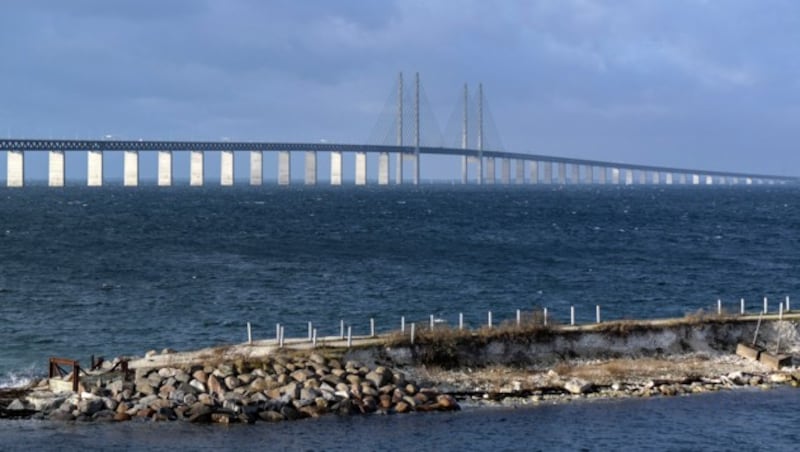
{"x":683,"y":83}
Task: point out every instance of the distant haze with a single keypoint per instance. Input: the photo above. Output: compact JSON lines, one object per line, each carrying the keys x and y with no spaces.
{"x":682,"y":83}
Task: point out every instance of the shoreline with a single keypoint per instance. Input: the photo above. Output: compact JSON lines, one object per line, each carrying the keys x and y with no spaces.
{"x":507,"y":366}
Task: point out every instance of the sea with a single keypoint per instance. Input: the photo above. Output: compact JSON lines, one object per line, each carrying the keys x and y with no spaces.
{"x":117,"y":271}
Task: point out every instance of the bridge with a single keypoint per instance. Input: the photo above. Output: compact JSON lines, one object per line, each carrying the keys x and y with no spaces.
{"x":528,"y":168}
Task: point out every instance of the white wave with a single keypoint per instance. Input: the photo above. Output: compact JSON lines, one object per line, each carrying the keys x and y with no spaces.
{"x":16,"y":379}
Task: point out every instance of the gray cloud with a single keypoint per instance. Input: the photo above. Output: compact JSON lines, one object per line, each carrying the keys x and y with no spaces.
{"x":683,"y":83}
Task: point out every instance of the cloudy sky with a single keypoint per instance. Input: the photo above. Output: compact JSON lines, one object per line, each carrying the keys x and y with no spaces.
{"x":686,"y":83}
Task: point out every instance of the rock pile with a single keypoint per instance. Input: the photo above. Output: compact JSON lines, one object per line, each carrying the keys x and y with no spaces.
{"x":274,"y":389}
{"x":557,"y":389}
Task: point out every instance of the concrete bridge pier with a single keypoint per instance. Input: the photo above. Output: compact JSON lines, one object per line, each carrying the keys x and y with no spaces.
{"x":588,"y":174}
{"x":602,"y":175}
{"x":615,"y":176}
{"x":311,"y":168}
{"x":519,"y":169}
{"x":490,"y":171}
{"x":94,"y":170}
{"x":575,"y":178}
{"x":734,"y":181}
{"x":562,"y":173}
{"x":656,"y":178}
{"x":709,"y":180}
{"x":748,"y":181}
{"x":336,"y":168}
{"x":130,"y":169}
{"x":226,"y":168}
{"x":695,"y":179}
{"x":533,"y":171}
{"x":284,"y":167}
{"x":464,"y":169}
{"x":398,"y":170}
{"x":417,"y":168}
{"x":55,"y":169}
{"x":361,"y":168}
{"x":628,"y":177}
{"x":547,"y":177}
{"x":505,"y":171}
{"x":668,"y":178}
{"x":642,"y":177}
{"x":15,"y":169}
{"x":196,"y":172}
{"x":164,"y":169}
{"x":256,"y":168}
{"x":479,"y":171}
{"x":383,"y":169}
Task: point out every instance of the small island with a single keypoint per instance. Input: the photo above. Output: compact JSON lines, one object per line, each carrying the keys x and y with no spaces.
{"x":431,"y":368}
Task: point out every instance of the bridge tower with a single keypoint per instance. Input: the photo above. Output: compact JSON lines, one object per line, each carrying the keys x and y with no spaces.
{"x":480,"y":136}
{"x":416,"y":128}
{"x":465,"y":137}
{"x":399,"y":164}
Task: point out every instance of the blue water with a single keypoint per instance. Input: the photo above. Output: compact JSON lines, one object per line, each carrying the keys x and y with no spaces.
{"x":738,"y":420}
{"x":119,"y":271}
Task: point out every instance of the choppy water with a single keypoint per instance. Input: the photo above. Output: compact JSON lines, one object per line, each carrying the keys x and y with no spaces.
{"x":738,"y":420}
{"x":117,"y":271}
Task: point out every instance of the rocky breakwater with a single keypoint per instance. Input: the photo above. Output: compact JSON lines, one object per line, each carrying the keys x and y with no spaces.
{"x":559,"y":389}
{"x":272,"y":389}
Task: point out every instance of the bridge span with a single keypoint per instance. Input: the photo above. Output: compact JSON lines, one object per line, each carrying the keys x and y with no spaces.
{"x":477,"y":166}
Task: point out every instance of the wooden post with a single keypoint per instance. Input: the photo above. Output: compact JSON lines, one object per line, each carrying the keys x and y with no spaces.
{"x":519,"y":318}
{"x":310,"y":331}
{"x":572,"y":315}
{"x":371,"y":327}
{"x":341,"y":329}
{"x":544,"y":316}
{"x":597,"y":313}
{"x":412,"y":333}
{"x":741,"y":306}
{"x":460,"y":321}
{"x":249,"y":334}
{"x":349,"y":336}
{"x":490,"y":319}
{"x":719,"y":306}
{"x":780,"y":311}
{"x":280,"y":341}
{"x":76,"y":376}
{"x":788,"y":305}
{"x":277,"y":332}
{"x":765,"y":305}
{"x":314,"y":338}
{"x":431,"y":322}
{"x":403,"y":324}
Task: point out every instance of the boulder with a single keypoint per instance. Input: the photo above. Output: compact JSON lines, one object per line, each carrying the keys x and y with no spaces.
{"x":91,"y":406}
{"x":223,"y":370}
{"x":199,"y":413}
{"x":167,"y":372}
{"x":16,"y":405}
{"x":291,"y":413}
{"x":121,"y":417}
{"x":402,"y":407}
{"x":215,"y":386}
{"x":182,"y":377}
{"x":301,"y":375}
{"x":577,"y":386}
{"x":270,"y":416}
{"x":200,"y":376}
{"x":780,"y":377}
{"x":447,"y":402}
{"x":232,"y":382}
{"x":144,"y":386}
{"x":198,"y":385}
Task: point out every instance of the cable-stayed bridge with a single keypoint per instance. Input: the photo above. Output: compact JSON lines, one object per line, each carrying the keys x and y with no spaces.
{"x":403,"y":140}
